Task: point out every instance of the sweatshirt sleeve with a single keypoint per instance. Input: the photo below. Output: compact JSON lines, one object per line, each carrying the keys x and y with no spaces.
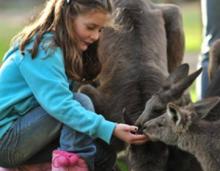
{"x":45,"y":75}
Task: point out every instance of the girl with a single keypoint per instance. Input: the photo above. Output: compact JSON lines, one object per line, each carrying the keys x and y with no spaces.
{"x":39,"y":114}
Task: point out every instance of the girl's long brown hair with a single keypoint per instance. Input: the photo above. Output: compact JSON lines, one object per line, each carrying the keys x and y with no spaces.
{"x":57,"y":17}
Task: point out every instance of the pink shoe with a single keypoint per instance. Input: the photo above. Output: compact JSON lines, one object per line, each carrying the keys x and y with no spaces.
{"x":66,"y":161}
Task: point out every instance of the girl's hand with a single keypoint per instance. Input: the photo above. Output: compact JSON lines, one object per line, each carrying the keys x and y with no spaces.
{"x":127,"y":133}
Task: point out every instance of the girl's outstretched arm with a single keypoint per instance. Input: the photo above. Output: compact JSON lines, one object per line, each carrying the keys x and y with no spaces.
{"x":128,"y":134}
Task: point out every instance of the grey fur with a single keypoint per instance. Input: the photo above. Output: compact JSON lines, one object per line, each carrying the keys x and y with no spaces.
{"x":185,"y":128}
{"x":136,"y":61}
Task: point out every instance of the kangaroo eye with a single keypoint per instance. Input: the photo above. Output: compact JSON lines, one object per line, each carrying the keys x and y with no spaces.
{"x":160,"y":125}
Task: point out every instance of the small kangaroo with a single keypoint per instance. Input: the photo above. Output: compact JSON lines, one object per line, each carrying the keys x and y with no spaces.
{"x":185,"y":128}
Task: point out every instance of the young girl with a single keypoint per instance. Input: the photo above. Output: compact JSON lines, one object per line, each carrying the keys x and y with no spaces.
{"x":41,"y":119}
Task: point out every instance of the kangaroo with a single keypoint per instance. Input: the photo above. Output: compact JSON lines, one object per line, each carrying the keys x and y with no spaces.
{"x":136,"y":60}
{"x":159,"y":156}
{"x":185,"y":128}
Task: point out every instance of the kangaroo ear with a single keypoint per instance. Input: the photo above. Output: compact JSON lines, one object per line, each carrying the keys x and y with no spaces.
{"x":177,"y":75}
{"x":204,"y":106}
{"x":173,"y":113}
{"x":175,"y":90}
{"x":182,"y":85}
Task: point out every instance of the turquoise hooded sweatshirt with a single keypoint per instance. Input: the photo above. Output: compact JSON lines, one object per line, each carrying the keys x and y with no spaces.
{"x":26,"y":83}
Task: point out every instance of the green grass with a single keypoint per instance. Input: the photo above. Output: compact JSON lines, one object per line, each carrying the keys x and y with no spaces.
{"x":191,"y":23}
{"x":192,"y":27}
{"x":122,"y":165}
{"x":7,"y":31}
{"x":192,"y":91}
{"x":193,"y":34}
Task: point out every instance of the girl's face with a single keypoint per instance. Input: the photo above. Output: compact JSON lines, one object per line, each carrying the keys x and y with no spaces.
{"x":88,"y":26}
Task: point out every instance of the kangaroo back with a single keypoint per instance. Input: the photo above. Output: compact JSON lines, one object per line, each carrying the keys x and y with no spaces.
{"x":214,"y":59}
{"x":214,"y":76}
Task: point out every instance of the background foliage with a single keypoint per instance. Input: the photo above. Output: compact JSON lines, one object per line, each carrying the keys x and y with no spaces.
{"x":14,"y":15}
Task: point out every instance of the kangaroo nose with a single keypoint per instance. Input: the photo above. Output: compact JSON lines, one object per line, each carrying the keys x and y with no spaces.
{"x":140,"y":129}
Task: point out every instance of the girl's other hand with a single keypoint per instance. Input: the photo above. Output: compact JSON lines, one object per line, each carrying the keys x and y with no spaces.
{"x":128,"y":134}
